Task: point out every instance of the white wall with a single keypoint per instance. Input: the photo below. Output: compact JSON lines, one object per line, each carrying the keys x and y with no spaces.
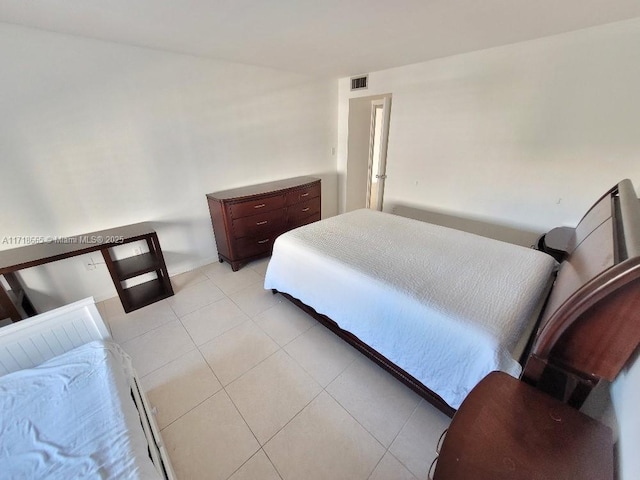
{"x":95,"y":135}
{"x":527,"y":135}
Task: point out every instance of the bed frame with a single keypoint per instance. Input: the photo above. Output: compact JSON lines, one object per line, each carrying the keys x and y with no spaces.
{"x":590,"y":325}
{"x":35,"y":340}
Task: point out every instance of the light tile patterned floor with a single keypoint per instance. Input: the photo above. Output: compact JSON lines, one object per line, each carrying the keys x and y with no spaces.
{"x":248,"y":387}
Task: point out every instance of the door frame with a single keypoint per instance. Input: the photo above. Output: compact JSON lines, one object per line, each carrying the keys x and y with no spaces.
{"x":384,"y":104}
{"x":357,"y":150}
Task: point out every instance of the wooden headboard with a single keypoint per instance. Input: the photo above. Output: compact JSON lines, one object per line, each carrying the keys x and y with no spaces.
{"x":590,"y":327}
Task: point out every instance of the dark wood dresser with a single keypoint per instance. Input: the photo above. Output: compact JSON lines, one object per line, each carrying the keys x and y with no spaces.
{"x":247,"y":220}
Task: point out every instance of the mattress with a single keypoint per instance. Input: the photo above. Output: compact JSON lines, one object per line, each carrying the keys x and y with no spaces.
{"x":73,"y":417}
{"x":446,"y":306}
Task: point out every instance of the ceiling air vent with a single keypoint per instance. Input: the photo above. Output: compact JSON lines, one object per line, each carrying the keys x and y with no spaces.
{"x":359,"y":83}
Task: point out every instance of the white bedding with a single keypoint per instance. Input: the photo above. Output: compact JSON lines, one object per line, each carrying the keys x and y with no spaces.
{"x":446,"y":306}
{"x":73,"y":417}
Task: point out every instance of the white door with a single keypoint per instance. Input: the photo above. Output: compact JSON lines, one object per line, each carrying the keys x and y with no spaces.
{"x":379,"y":135}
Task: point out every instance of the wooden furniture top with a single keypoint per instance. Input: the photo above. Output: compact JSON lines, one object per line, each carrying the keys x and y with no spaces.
{"x":506,"y":429}
{"x":49,"y":249}
{"x":262,"y":188}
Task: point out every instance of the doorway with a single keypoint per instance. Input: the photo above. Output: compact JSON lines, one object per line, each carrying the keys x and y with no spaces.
{"x":367,"y":151}
{"x":377,"y":165}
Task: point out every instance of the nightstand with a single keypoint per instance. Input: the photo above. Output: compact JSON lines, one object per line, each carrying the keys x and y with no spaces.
{"x":506,"y":429}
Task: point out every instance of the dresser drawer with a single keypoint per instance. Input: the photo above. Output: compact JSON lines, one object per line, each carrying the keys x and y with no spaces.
{"x":253,"y":246}
{"x":296,"y":214}
{"x":253,"y":207}
{"x":303,"y":194}
{"x":261,"y":225}
{"x":295,"y":224}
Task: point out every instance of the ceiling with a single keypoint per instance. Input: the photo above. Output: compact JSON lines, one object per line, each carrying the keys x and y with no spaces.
{"x":332,"y":38}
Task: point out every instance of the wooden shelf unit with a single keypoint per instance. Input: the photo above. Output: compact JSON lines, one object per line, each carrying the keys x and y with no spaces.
{"x":130,"y":267}
{"x":142,"y":294}
{"x":16,"y":303}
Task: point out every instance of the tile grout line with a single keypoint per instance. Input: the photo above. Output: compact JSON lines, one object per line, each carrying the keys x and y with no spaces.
{"x":271,"y":336}
{"x":244,"y":420}
{"x":386,"y":449}
{"x":246,"y":288}
{"x":254,"y":366}
{"x":224,"y":388}
{"x":122,"y":342}
{"x":195,"y":345}
{"x":406,"y":421}
{"x":209,"y":367}
{"x":274,"y":465}
{"x":296,"y":362}
{"x":189,"y":411}
{"x":164,"y":364}
{"x":189,"y":283}
{"x":197,"y":348}
{"x":357,"y":421}
{"x":249,"y":459}
{"x":395,"y":438}
{"x":291,"y":419}
{"x":323,"y":389}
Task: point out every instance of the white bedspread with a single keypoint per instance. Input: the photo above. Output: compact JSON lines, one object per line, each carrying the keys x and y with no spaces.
{"x":446,"y":306}
{"x":73,"y":417}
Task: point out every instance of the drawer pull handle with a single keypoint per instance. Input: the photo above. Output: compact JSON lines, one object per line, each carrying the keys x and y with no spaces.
{"x":305,"y":194}
{"x":305,"y":209}
{"x":440,"y":440}
{"x":431,"y":470}
{"x":264,"y":241}
{"x":262,"y":223}
{"x":259,"y":206}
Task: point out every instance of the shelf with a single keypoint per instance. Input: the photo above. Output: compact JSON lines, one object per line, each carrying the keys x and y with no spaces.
{"x":144,"y":294}
{"x":18,"y":305}
{"x":141,"y":295}
{"x":137,"y":265}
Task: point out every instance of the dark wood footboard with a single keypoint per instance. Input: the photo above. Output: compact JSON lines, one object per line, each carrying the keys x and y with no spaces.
{"x":410,"y":381}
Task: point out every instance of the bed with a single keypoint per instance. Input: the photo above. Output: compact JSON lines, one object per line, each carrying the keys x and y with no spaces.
{"x":441,"y":308}
{"x":71,"y":402}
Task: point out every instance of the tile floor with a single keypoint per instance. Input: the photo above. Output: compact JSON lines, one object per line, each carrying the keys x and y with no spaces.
{"x":247,"y":386}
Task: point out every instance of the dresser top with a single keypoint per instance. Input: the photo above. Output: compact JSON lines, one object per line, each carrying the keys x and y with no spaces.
{"x":262,"y":188}
{"x":507,"y":429}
